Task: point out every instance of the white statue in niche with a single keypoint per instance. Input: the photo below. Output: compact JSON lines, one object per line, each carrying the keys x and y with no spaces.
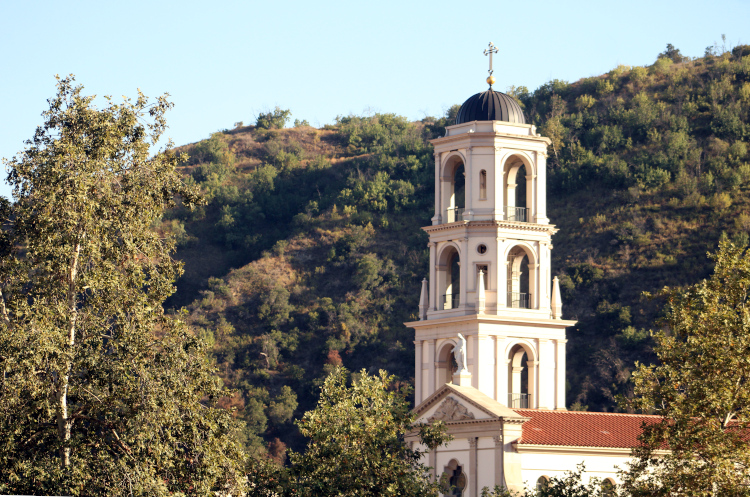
{"x":459,"y":352}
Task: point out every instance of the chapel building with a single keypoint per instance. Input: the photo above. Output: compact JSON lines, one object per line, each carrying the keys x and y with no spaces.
{"x":490,"y":341}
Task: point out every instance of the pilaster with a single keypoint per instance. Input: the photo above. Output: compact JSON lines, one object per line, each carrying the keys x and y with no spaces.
{"x":431,"y":369}
{"x":417,"y":372}
{"x":560,"y":375}
{"x":473,"y":490}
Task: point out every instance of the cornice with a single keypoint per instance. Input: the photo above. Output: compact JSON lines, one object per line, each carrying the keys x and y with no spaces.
{"x":523,"y":448}
{"x":484,"y":134}
{"x":548,"y":228}
{"x":487,"y":318}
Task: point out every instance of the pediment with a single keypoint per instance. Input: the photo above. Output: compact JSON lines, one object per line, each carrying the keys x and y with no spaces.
{"x":451,"y":410}
{"x":452,"y":403}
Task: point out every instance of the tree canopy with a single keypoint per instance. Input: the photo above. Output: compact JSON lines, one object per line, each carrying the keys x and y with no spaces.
{"x":699,"y":388}
{"x":356,"y":441}
{"x":101,"y":391}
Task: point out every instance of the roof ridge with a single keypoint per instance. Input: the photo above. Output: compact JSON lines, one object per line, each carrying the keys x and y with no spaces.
{"x":592,"y":413}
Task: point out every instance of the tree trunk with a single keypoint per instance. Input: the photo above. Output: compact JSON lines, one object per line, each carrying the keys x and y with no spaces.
{"x":63,"y":422}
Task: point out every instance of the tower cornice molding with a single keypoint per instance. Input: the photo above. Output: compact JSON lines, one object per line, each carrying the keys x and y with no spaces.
{"x":492,"y":319}
{"x":549,"y":228}
{"x":479,"y":135}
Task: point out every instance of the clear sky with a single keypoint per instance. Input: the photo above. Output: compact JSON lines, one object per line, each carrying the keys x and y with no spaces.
{"x":224,"y":62}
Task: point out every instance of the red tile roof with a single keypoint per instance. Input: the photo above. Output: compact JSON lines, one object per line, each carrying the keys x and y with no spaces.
{"x":582,"y":429}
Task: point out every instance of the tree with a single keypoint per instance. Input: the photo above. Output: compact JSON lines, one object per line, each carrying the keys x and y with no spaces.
{"x":700,"y":388}
{"x":102,"y":393}
{"x":673,"y":53}
{"x":357,"y":446}
{"x":274,"y":119}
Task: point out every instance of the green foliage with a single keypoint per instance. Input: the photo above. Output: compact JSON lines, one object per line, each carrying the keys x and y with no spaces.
{"x":275,"y":119}
{"x":569,"y":485}
{"x":673,"y":54}
{"x":699,"y":388}
{"x":356,"y":445}
{"x":102,"y":392}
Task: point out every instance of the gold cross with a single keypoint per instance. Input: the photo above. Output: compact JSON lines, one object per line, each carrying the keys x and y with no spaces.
{"x":489,"y":51}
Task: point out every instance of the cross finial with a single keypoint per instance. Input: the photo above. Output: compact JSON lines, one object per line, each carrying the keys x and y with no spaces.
{"x":489,"y":51}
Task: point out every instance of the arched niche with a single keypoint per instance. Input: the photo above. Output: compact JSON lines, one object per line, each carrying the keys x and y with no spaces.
{"x":521,"y":376}
{"x":521,"y":279}
{"x":453,"y":187}
{"x":445,"y":363}
{"x":453,"y":481}
{"x":542,"y":484}
{"x":608,"y":487}
{"x":449,"y":277}
{"x":518,"y":174}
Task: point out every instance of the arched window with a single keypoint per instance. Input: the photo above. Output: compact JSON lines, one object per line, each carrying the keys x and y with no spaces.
{"x":483,"y":185}
{"x":449,"y":279}
{"x":458,"y":195}
{"x":516,"y":188}
{"x":542,"y":484}
{"x":446,"y":364}
{"x":453,"y":480}
{"x":608,"y":487}
{"x":519,"y":289}
{"x":518,"y":378}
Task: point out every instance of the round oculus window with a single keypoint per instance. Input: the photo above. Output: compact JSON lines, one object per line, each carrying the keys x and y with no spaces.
{"x":482,"y":248}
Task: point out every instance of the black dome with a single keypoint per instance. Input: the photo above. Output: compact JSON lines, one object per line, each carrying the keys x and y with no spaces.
{"x":490,"y":106}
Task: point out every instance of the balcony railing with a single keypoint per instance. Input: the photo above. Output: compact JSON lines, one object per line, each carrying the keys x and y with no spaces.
{"x":518,"y":400}
{"x":519,"y":300}
{"x":451,"y":301}
{"x":455,"y":214}
{"x":517,"y":214}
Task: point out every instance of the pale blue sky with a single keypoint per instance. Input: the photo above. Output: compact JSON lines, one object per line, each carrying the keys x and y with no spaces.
{"x":224,"y":62}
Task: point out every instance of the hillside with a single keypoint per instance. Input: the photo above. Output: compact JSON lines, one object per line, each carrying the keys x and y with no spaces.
{"x":309,"y":253}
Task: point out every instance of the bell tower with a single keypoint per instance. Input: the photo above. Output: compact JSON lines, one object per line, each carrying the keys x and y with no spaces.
{"x":490,"y":267}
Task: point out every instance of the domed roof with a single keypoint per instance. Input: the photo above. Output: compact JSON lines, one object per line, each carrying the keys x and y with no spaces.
{"x":490,"y":105}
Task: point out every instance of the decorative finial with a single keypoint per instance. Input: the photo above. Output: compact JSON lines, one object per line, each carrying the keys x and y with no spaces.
{"x":489,"y":51}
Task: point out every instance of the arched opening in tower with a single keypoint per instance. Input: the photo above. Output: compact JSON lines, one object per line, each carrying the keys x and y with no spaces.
{"x":518,"y":378}
{"x":516,"y":191}
{"x":458,"y":194}
{"x":521,"y":187}
{"x":519,"y":282}
{"x":453,"y":290}
{"x":446,"y":364}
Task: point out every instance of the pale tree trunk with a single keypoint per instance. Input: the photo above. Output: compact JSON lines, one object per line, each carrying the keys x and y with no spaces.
{"x":63,"y":422}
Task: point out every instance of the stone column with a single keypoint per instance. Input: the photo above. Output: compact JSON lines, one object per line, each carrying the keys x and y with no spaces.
{"x":560,"y":373}
{"x":537,"y":287}
{"x":432,"y":463}
{"x":501,"y":371}
{"x":437,"y":218}
{"x":533,"y":383}
{"x":417,"y":372}
{"x":464,"y":270}
{"x":502,"y":275}
{"x":546,"y":375}
{"x":473,"y":491}
{"x":433,"y":279}
{"x":541,"y":180}
{"x":499,"y":454}
{"x":431,"y":369}
{"x":498,"y":190}
{"x":469,"y":188}
{"x":544,"y":264}
{"x":474,"y":347}
{"x":531,"y":196}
